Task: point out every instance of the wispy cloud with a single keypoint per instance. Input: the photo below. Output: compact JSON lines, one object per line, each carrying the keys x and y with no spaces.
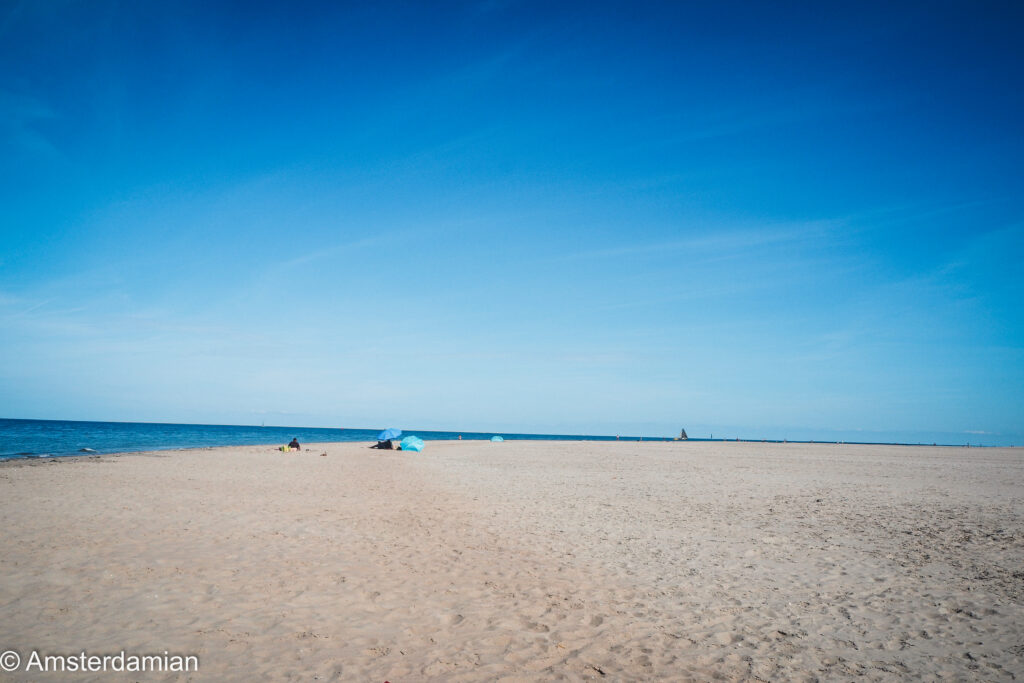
{"x":346,"y":248}
{"x":794,"y":108}
{"x":889,"y":216}
{"x":14,"y":307}
{"x":717,"y":241}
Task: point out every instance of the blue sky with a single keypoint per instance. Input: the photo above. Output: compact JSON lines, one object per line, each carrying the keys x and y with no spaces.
{"x":785,"y":220}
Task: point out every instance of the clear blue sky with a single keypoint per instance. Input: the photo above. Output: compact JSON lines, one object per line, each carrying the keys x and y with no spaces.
{"x":792,"y":220}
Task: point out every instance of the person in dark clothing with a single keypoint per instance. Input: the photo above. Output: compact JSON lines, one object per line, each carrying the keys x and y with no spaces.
{"x":294,"y":444}
{"x":387,"y":445}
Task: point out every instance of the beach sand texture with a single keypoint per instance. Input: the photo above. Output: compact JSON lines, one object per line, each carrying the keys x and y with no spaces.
{"x":523,"y":561}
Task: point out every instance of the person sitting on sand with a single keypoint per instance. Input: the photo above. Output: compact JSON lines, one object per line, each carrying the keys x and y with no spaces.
{"x":387,"y":445}
{"x":294,"y":444}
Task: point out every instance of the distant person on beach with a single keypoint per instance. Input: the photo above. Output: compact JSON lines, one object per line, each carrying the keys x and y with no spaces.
{"x":294,"y":444}
{"x":386,"y":445}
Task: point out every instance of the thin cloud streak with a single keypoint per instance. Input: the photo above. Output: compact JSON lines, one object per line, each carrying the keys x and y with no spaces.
{"x":345,"y":248}
{"x":717,"y":242}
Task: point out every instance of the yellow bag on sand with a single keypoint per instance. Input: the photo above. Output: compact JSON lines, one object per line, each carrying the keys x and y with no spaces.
{"x":286,"y":448}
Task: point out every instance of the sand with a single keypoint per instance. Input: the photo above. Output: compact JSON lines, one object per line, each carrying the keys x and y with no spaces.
{"x":523,"y":561}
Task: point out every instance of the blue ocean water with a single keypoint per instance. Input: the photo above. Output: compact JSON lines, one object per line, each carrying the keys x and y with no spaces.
{"x":52,"y":438}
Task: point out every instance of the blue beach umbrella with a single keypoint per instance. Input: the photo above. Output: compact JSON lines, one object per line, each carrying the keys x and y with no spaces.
{"x":388,"y":434}
{"x":497,"y":438}
{"x":412,"y":443}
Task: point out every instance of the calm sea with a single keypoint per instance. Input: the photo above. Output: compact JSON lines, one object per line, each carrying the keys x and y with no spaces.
{"x":51,"y":438}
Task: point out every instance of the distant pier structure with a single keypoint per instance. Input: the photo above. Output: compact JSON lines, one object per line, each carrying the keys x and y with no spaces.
{"x":682,"y":435}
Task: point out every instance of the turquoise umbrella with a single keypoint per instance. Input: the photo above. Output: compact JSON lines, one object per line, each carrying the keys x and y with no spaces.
{"x":412,"y":443}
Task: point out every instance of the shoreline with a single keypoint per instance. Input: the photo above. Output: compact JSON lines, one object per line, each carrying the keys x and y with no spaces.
{"x":41,"y":459}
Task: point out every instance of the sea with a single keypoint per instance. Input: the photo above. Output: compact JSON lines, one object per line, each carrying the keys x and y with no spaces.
{"x":57,"y":438}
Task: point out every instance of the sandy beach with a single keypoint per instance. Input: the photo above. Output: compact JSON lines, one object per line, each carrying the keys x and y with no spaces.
{"x":523,"y":561}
